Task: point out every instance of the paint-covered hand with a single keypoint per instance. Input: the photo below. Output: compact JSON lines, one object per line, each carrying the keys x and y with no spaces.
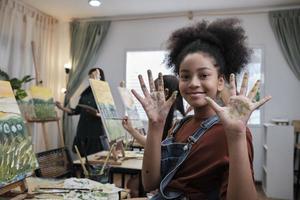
{"x":127,"y":125}
{"x":154,"y":102}
{"x":237,"y":112}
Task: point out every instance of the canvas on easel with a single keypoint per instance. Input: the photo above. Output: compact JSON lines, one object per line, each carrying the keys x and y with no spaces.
{"x":130,"y":107}
{"x":107,"y":109}
{"x":43,"y":103}
{"x":17,"y":159}
{"x":26,"y":107}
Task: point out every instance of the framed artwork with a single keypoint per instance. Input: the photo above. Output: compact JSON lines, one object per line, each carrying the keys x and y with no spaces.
{"x":17,"y":159}
{"x":107,"y":109}
{"x":130,"y":107}
{"x":43,"y":103}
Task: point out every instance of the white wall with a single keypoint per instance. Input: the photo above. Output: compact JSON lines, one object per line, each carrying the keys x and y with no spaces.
{"x":152,"y":34}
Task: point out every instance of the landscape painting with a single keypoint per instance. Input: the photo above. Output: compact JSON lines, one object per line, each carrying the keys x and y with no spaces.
{"x":106,"y":106}
{"x":130,"y":108}
{"x":17,"y":159}
{"x":43,"y":103}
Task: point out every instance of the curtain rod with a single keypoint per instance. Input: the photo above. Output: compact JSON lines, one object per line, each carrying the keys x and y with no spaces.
{"x":189,"y":14}
{"x":33,"y":9}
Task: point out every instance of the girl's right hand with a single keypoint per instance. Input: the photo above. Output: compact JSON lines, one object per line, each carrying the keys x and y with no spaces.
{"x":153,"y":102}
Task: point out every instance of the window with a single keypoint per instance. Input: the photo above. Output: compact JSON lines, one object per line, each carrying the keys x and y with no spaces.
{"x":254,"y":69}
{"x":138,"y":62}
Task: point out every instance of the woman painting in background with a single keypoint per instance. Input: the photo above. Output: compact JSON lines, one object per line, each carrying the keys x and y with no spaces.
{"x":176,"y":111}
{"x":90,"y":128}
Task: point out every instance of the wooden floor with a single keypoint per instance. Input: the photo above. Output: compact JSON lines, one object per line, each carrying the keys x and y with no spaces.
{"x":261,"y":194}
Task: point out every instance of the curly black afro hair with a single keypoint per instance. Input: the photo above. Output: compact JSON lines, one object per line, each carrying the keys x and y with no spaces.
{"x":223,"y":39}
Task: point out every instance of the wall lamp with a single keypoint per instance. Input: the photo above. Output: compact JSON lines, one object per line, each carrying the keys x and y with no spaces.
{"x":94,"y":3}
{"x":67,"y":67}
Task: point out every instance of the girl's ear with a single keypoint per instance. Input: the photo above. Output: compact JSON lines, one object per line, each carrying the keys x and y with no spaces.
{"x":221,"y":83}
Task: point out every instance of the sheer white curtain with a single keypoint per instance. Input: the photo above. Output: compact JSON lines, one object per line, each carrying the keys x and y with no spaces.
{"x":19,"y":25}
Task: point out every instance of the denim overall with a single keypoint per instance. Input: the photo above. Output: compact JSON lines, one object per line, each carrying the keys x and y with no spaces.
{"x":173,"y":154}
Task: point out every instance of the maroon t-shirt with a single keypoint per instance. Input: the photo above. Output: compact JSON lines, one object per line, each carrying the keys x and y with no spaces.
{"x":207,"y":166}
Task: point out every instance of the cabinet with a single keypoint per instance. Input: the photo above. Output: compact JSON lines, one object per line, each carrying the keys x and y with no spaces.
{"x":278,"y":148}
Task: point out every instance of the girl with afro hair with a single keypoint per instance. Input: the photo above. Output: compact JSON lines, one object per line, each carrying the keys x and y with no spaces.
{"x":208,"y":155}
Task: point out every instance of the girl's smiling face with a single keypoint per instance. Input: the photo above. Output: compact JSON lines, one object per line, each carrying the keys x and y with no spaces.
{"x":198,"y":78}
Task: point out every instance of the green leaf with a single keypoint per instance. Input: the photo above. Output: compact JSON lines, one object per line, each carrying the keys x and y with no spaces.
{"x":15,"y":83}
{"x":27,"y":79}
{"x":3,"y":76}
{"x":20,"y":94}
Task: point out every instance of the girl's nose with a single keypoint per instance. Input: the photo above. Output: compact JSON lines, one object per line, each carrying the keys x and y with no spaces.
{"x":194,"y":82}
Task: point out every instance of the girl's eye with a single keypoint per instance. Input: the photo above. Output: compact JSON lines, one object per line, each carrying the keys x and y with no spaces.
{"x":184,"y":77}
{"x":203,"y":76}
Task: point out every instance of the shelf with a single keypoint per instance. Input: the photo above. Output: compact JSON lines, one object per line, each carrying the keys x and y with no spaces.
{"x":278,"y":145}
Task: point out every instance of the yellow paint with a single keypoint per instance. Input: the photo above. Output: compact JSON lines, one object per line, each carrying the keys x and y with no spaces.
{"x":102,"y":91}
{"x":5,"y":89}
{"x":40,"y":92}
{"x":2,"y":114}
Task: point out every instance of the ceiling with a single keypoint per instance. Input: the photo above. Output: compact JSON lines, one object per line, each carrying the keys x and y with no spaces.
{"x":68,"y":9}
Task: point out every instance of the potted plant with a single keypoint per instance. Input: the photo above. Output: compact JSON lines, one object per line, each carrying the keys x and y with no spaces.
{"x":16,"y":84}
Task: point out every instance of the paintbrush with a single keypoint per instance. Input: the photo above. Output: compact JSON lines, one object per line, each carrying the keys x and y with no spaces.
{"x":119,"y":118}
{"x":58,"y":188}
{"x":107,"y":158}
{"x":85,"y":172}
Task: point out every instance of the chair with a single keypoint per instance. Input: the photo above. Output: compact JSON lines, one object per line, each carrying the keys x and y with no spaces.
{"x":55,"y":163}
{"x":296,"y":124}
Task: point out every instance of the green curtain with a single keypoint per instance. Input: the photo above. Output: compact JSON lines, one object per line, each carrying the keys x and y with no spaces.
{"x":86,"y":40}
{"x":286,"y":27}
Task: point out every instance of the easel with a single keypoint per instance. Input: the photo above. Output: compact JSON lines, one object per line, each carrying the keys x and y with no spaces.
{"x":113,"y":156}
{"x":21,"y":184}
{"x":117,"y":146}
{"x":44,"y":129}
{"x":43,"y":122}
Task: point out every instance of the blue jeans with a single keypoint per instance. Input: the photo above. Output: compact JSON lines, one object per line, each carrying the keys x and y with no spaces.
{"x":173,"y":154}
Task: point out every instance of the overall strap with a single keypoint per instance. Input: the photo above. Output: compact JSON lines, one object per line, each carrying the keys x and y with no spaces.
{"x":179,"y":124}
{"x":205,"y":125}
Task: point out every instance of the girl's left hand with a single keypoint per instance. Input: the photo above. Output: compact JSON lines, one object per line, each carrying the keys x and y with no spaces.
{"x":236,"y":114}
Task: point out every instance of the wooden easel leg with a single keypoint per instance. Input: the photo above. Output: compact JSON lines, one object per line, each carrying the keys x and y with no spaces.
{"x":121,"y":146}
{"x":45,"y":135}
{"x":62,"y":142}
{"x":114,"y":151}
{"x":118,"y":146}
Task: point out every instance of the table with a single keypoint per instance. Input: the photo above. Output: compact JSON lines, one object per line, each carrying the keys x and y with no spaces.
{"x":33,"y":183}
{"x":130,"y":165}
